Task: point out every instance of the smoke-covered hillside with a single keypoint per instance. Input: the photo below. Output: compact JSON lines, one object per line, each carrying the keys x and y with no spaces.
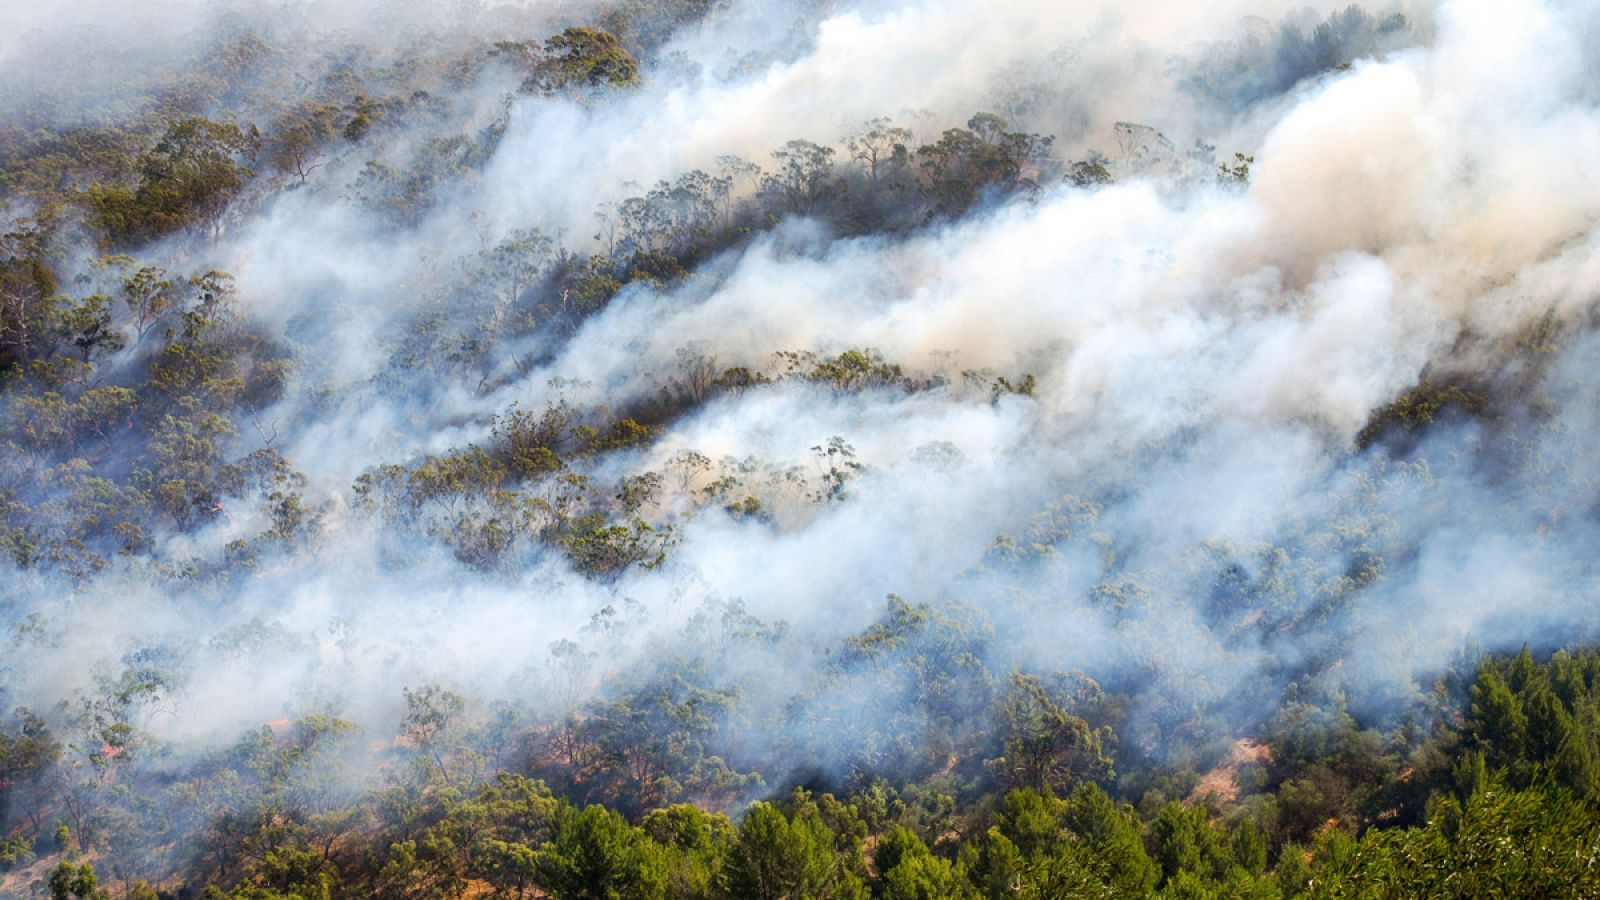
{"x":1037,"y":449}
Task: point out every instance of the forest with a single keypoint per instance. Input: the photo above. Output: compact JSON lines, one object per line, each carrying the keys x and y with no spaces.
{"x":799,"y":449}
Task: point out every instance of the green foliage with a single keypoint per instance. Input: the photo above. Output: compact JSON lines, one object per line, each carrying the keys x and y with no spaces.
{"x":588,"y":57}
{"x":68,"y":881}
{"x":1046,"y":746}
{"x":850,"y":370}
{"x":27,"y":751}
{"x":909,"y":871}
{"x":28,"y":307}
{"x":1112,"y":834}
{"x":446,"y":830}
{"x":596,"y":855}
{"x":1183,"y":841}
{"x":1091,"y":172}
{"x":1419,"y":407}
{"x":15,"y":852}
{"x":295,"y":144}
{"x":694,"y":844}
{"x":776,"y":858}
{"x":531,"y":444}
{"x":1497,"y":843}
{"x":944,"y":762}
{"x":187,"y":180}
{"x":967,"y":162}
{"x":598,"y":547}
{"x":587,"y":286}
{"x":1530,"y":720}
{"x":649,"y":23}
{"x":1237,"y":173}
{"x":577,"y":58}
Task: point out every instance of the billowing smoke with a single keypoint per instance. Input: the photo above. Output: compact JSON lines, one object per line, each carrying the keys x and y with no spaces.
{"x":1197,"y":425}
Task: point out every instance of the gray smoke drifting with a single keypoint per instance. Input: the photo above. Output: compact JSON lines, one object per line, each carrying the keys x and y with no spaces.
{"x":1187,"y":504}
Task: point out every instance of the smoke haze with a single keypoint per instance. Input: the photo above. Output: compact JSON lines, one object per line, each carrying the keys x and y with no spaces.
{"x":1198,"y":496}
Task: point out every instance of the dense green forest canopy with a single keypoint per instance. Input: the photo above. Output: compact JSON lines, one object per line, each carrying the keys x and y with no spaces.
{"x":798,"y":449}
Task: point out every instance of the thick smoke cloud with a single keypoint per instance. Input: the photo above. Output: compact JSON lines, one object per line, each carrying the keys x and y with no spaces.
{"x":1206,"y":359}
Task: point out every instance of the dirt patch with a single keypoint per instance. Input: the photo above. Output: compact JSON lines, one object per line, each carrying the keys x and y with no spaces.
{"x":1222,"y":783}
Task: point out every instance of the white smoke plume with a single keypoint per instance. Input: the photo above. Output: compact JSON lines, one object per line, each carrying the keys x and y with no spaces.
{"x":1205,"y":356}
